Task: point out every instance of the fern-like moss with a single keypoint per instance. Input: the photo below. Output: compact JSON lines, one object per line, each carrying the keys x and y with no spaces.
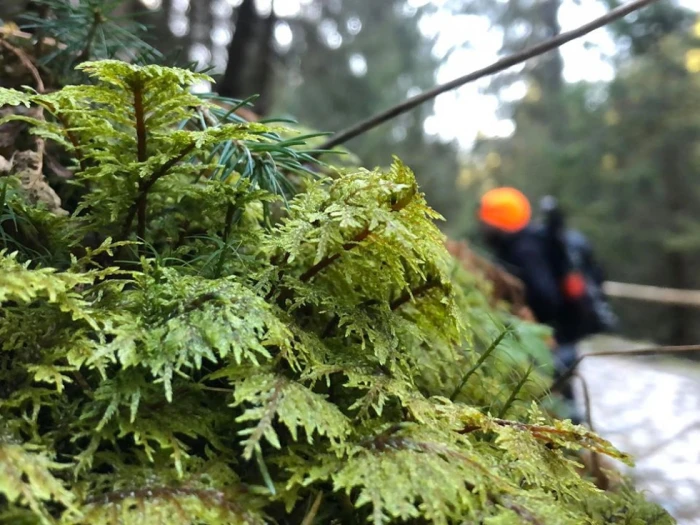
{"x":178,"y":358}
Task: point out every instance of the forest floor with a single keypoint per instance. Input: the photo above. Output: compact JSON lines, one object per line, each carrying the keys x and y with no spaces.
{"x":649,"y":407}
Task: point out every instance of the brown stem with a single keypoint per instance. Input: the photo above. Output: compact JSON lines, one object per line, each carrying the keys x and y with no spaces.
{"x":141,"y":218}
{"x":361,"y":236}
{"x":428,"y":285}
{"x":309,"y":274}
{"x":140,"y":117}
{"x":82,"y":383}
{"x":330,"y":259}
{"x":139,"y":207}
{"x":73,"y":140}
{"x":602,"y":481}
{"x":210,"y":496}
{"x":500,"y":65}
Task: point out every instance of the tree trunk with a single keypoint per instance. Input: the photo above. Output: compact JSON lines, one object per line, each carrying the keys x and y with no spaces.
{"x":233,"y":83}
{"x":264,"y":65}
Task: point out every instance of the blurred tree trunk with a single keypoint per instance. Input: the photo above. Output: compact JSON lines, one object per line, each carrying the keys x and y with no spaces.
{"x":264,"y":64}
{"x":551,"y":71}
{"x":233,"y":82}
{"x":201,"y":22}
{"x":159,"y":34}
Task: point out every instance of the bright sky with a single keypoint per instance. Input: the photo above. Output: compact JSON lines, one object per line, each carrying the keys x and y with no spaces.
{"x":464,"y":112}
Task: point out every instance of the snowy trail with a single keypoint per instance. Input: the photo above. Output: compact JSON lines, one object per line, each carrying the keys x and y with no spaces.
{"x":650,"y":408}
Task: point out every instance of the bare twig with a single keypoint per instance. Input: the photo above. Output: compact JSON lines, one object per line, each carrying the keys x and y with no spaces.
{"x":500,"y":65}
{"x":602,"y":480}
{"x":660,"y":446}
{"x":586,"y":400}
{"x":27,"y":63}
{"x":639,"y":352}
{"x":311,"y":515}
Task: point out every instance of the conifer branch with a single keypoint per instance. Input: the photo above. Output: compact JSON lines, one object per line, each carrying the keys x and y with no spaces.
{"x":97,"y":20}
{"x":498,"y":66}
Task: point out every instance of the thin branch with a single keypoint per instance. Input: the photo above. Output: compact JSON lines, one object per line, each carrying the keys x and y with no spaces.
{"x":500,"y":65}
{"x":327,"y":261}
{"x":97,"y":20}
{"x":481,"y":360}
{"x":27,"y":63}
{"x":416,"y":292}
{"x":660,"y":446}
{"x":602,"y":480}
{"x":311,"y":515}
{"x":640,"y":352}
{"x":586,"y":401}
{"x":7,"y":31}
{"x":144,"y":187}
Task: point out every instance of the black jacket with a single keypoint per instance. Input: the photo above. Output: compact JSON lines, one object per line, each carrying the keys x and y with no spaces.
{"x":525,"y":255}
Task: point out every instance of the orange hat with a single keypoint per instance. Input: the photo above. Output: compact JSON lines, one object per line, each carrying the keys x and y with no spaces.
{"x":506,"y":209}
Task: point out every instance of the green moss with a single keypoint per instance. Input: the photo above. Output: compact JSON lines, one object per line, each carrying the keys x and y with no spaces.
{"x":180,"y":358}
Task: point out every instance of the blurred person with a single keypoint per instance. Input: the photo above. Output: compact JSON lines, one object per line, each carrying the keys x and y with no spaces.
{"x":581,"y":274}
{"x":563,"y":283}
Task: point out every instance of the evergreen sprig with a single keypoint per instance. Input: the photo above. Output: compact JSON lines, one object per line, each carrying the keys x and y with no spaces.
{"x":85,"y":30}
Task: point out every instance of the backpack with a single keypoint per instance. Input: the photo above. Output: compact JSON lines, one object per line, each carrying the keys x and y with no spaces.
{"x":581,"y":285}
{"x":586,"y":310}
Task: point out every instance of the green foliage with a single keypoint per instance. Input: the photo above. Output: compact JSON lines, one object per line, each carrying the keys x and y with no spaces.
{"x":87,"y":29}
{"x":180,"y":358}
